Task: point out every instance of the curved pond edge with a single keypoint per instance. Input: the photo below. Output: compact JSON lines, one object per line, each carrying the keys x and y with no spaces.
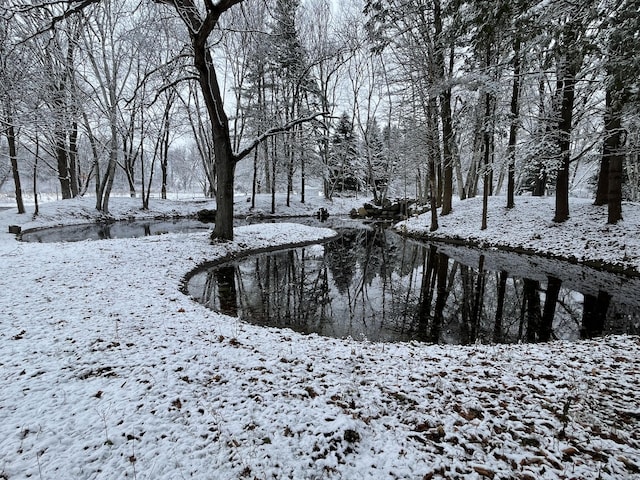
{"x":484,"y":244}
{"x":424,"y":237}
{"x":233,"y":256}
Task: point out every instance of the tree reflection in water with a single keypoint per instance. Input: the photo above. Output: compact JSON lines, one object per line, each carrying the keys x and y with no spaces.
{"x":370,"y":283}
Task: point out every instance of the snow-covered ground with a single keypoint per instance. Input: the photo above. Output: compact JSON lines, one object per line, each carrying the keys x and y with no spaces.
{"x":107,"y":371}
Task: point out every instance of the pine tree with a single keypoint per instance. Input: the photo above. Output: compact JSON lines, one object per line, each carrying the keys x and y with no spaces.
{"x":377,"y":176}
{"x":344,"y":172}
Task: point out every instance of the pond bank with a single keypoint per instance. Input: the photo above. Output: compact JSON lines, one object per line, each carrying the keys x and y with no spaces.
{"x":585,"y":238}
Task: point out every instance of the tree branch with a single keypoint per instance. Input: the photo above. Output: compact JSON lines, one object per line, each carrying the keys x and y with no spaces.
{"x":274,"y":131}
{"x":75,"y":7}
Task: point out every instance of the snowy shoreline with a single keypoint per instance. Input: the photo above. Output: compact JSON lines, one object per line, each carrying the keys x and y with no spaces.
{"x":584,"y":239}
{"x":108,"y":371}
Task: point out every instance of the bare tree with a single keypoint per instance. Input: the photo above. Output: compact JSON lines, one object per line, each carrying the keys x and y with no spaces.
{"x":9,"y":79}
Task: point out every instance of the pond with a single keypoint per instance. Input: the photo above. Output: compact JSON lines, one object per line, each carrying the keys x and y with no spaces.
{"x":122,"y":229}
{"x":370,"y":283}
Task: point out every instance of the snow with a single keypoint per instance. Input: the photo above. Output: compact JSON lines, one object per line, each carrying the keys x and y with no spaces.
{"x":108,"y":371}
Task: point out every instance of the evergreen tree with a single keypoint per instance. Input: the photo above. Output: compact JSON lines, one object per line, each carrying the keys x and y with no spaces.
{"x":344,"y":172}
{"x":377,"y":175}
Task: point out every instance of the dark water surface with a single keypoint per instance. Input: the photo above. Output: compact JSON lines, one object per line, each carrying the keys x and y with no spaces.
{"x":122,"y":229}
{"x":372,"y":284}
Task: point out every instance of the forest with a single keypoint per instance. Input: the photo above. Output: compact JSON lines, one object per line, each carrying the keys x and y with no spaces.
{"x":379,"y":98}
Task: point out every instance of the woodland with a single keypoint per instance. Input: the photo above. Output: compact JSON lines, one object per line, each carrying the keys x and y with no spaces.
{"x":378,"y":98}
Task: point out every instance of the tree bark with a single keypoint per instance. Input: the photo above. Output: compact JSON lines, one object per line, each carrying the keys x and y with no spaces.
{"x":566,"y":84}
{"x":73,"y":160}
{"x":222,"y":148}
{"x":63,"y":164}
{"x":612,"y":147}
{"x":513,"y":128}
{"x":486,"y":155}
{"x":10,"y":133}
{"x":432,"y":150}
{"x":445,"y":114}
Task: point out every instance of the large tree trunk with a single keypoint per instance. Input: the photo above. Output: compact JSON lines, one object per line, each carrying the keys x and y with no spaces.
{"x":487,"y":153}
{"x":63,"y":165}
{"x":612,"y":146}
{"x":564,"y":146}
{"x":432,"y":152}
{"x":223,"y":152}
{"x":445,"y":114}
{"x":107,"y":182}
{"x":566,"y":85}
{"x":513,"y":128}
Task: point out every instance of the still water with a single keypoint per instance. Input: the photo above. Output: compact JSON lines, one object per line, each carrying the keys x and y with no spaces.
{"x":372,"y":284}
{"x":103,"y":231}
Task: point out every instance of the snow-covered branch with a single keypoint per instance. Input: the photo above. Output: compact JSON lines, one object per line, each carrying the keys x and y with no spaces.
{"x":274,"y":131}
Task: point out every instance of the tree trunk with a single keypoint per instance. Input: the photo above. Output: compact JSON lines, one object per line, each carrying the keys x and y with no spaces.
{"x":107,"y":181}
{"x":254,"y":183}
{"x":602,"y":189}
{"x":612,"y":147}
{"x":109,"y":176}
{"x":73,"y":160}
{"x":566,"y":87}
{"x":445,"y":114}
{"x":222,"y":148}
{"x":164,"y":161}
{"x":302,"y":178}
{"x":10,"y":133}
{"x":63,"y":165}
{"x":487,"y":154}
{"x":432,"y":152}
{"x":513,"y":128}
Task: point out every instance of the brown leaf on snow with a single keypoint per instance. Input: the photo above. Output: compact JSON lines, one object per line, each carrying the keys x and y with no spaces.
{"x":470,"y":414}
{"x":484,"y":471}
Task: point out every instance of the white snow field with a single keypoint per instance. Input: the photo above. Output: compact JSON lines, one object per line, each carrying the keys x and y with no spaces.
{"x":107,"y":371}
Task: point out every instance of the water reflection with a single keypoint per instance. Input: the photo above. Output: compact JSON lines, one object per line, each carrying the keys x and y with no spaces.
{"x":122,"y":229}
{"x":371,"y":283}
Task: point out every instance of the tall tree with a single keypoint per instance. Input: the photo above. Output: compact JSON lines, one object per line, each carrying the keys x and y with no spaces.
{"x":415,"y":31}
{"x":10,"y":78}
{"x":621,"y":52}
{"x":570,"y":53}
{"x":345,"y":172}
